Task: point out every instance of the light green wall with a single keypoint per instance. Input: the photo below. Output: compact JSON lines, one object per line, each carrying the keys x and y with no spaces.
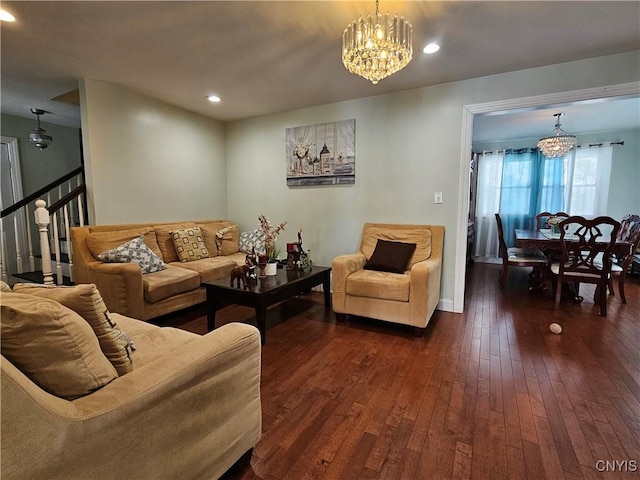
{"x":41,"y":167}
{"x":149,"y":161}
{"x":407,"y":147}
{"x":624,"y":194}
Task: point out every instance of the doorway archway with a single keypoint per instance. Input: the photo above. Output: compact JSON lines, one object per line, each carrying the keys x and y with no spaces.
{"x":468,"y":113}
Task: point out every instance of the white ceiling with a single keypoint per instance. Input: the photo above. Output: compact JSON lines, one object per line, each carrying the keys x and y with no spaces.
{"x":579,"y":118}
{"x":263,"y":57}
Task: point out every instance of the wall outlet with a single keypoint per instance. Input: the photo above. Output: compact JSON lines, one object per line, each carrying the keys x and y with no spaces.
{"x":437,"y":197}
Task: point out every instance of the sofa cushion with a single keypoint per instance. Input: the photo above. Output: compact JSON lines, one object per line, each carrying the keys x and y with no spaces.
{"x":165,"y":242}
{"x":210,"y":268}
{"x":381,"y":285}
{"x":85,"y":299}
{"x":166,"y":283}
{"x":228,"y":240}
{"x":53,"y":346}
{"x":189,"y":244}
{"x":99,"y":242}
{"x":252,"y":239}
{"x":209,"y":230}
{"x":220,"y":238}
{"x":420,"y":236}
{"x":390,"y":256}
{"x":134,"y":251}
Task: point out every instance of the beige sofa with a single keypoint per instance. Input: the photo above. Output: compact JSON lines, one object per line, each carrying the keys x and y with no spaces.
{"x":123,"y":286}
{"x":188,"y":408}
{"x":409,"y":297}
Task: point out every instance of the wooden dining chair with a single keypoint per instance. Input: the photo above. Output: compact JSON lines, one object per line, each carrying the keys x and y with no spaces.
{"x":541,"y":218}
{"x":621,"y":263}
{"x":520,"y":257}
{"x":583,"y":242}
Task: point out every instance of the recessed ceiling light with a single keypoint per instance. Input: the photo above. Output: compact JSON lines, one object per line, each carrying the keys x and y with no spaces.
{"x":431,"y":48}
{"x":213,"y":98}
{"x":6,"y":16}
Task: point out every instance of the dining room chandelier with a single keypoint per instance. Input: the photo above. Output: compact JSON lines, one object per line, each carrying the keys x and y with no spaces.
{"x":378,"y":46}
{"x":38,"y":136}
{"x":559,"y":143}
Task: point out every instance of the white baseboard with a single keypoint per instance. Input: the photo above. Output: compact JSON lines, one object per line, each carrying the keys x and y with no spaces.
{"x":446,"y":305}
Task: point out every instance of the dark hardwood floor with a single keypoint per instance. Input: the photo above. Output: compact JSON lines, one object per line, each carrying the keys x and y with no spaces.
{"x":487,"y":394}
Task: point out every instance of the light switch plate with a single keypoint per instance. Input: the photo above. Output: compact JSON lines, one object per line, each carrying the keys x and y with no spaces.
{"x":437,"y":197}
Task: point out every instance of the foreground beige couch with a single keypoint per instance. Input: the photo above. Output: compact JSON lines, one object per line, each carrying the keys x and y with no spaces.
{"x":189,"y":409}
{"x":123,"y":286}
{"x":408,"y":298}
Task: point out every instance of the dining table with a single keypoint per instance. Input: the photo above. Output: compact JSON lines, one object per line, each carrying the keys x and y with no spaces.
{"x":548,"y":241}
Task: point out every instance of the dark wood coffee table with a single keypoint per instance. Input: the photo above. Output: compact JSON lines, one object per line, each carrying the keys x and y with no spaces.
{"x":268,"y":291}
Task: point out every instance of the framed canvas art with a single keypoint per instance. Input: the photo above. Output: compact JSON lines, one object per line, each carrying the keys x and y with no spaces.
{"x":322,"y":154}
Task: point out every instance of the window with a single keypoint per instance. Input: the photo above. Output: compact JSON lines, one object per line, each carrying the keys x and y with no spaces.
{"x":520,"y":183}
{"x":587,"y":175}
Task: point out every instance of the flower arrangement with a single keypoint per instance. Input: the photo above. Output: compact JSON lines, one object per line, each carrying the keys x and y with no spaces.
{"x":270,"y":234}
{"x":553,"y":223}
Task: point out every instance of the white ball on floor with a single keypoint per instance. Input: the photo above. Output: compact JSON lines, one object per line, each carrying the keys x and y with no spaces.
{"x":555,"y":328}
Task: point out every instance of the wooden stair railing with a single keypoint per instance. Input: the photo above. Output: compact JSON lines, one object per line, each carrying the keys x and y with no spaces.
{"x":65,"y":210}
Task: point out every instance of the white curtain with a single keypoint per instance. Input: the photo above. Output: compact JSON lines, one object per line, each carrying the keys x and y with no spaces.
{"x":587,"y":177}
{"x":488,"y":203}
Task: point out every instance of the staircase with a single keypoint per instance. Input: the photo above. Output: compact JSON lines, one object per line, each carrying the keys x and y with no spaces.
{"x":64,"y":207}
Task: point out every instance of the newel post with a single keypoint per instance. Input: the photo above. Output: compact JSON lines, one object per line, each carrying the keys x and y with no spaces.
{"x":42,"y":219}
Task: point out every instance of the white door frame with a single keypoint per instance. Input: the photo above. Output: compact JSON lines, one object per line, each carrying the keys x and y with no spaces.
{"x":16,"y":187}
{"x":14,"y":158}
{"x":468,"y":112}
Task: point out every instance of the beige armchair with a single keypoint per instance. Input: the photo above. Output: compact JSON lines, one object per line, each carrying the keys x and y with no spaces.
{"x":408,"y":298}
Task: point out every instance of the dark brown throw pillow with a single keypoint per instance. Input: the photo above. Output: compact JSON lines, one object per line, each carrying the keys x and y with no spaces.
{"x":390,"y":256}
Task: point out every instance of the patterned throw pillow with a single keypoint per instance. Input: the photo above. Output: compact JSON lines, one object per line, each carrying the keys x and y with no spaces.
{"x":189,"y":244}
{"x":250,"y":239}
{"x":134,"y":251}
{"x":4,"y":287}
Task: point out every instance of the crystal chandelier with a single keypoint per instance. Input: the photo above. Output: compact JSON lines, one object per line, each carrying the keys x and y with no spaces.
{"x":377,"y":47}
{"x":559,"y":143}
{"x":38,"y":136}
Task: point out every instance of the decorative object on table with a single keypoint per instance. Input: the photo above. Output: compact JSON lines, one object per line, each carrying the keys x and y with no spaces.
{"x":294,"y":250}
{"x":270,"y":234}
{"x":542,"y":217}
{"x":377,"y":47}
{"x":262,"y":263}
{"x":252,"y":277}
{"x":293,"y":255}
{"x":271,"y":269}
{"x":559,"y":143}
{"x":272,"y":261}
{"x":322,"y":154}
{"x":553,"y":223}
{"x":305,"y":264}
{"x":241,"y":273}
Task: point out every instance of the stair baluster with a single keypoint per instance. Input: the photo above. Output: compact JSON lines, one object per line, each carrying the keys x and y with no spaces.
{"x":42,"y":220}
{"x":65,"y":211}
{"x":32,"y":259}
